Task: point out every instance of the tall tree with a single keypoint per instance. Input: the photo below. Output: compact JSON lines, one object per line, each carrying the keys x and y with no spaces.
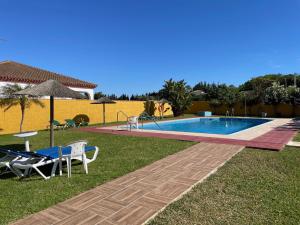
{"x":123,"y":97}
{"x":276,"y":94}
{"x":178,"y":93}
{"x":8,"y":100}
{"x":229,"y":95}
{"x":98,"y":95}
{"x":258,"y":85}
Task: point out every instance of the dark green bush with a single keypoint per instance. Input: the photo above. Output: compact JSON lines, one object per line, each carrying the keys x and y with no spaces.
{"x":150,"y":107}
{"x":80,"y":118}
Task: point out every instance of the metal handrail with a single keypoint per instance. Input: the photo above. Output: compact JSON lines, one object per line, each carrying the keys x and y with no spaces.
{"x":227,"y":113}
{"x":124,"y":114}
{"x":230,"y":113}
{"x":145,"y":114}
{"x":150,"y":118}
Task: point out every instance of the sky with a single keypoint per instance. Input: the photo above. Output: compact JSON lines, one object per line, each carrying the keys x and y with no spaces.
{"x":132,"y":46}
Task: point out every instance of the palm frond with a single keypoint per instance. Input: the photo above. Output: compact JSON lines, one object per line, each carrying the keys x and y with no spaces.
{"x":8,"y":90}
{"x":11,"y":105}
{"x":9,"y":98}
{"x":8,"y":101}
{"x":37,"y":102}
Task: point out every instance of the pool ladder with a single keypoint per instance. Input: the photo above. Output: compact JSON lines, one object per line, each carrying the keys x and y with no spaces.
{"x":228,"y":113}
{"x":124,"y":114}
{"x":151,"y":118}
{"x":143,"y":114}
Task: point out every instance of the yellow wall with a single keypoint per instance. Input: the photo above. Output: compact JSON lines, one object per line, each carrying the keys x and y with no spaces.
{"x":281,"y":110}
{"x":37,"y":118}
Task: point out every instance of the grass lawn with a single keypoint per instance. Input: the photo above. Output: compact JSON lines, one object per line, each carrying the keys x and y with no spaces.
{"x":118,"y":155}
{"x":255,"y":187}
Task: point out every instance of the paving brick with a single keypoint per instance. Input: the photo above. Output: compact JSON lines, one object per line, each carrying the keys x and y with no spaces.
{"x":133,"y":215}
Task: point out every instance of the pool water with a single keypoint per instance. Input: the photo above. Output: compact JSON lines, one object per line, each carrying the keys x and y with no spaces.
{"x":207,"y":125}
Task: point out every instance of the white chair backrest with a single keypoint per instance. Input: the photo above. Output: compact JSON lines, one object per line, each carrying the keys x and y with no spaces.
{"x":133,"y":119}
{"x":77,"y":148}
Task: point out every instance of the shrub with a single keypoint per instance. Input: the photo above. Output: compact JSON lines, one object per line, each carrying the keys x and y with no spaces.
{"x":150,"y":107}
{"x":276,"y":94}
{"x":214,"y":104}
{"x":81,"y":118}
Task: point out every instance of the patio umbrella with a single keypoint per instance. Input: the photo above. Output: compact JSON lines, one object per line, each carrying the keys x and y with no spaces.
{"x":53,"y":89}
{"x":103,"y":101}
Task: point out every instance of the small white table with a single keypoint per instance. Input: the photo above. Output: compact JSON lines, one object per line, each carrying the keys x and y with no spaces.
{"x":25,"y":135}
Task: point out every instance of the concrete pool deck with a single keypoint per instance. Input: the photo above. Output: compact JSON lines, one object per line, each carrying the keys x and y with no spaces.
{"x":273,"y":135}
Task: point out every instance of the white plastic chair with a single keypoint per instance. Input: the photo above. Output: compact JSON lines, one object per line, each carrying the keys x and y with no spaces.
{"x":264,"y":114}
{"x":77,"y":152}
{"x":133,"y":121}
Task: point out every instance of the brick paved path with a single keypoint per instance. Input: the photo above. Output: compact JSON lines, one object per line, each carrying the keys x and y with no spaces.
{"x":138,"y":196}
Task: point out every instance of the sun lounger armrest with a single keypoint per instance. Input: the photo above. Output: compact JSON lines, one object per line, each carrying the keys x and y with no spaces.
{"x":95,"y":154}
{"x":92,"y":148}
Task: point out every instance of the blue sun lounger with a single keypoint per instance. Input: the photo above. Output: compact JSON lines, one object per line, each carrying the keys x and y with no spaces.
{"x":33,"y":160}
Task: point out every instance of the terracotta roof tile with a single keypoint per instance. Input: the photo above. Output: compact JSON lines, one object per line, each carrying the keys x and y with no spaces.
{"x":11,"y":71}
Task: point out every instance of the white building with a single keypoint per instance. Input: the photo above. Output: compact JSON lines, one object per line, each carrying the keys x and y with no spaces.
{"x":13,"y":72}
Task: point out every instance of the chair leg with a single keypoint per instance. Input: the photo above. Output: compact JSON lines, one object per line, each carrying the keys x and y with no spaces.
{"x":69,"y":165}
{"x":84,"y":161}
{"x":60,"y":168}
{"x":54,"y":169}
{"x":67,"y":160}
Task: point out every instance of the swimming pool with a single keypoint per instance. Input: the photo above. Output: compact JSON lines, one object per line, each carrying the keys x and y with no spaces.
{"x":207,"y":125}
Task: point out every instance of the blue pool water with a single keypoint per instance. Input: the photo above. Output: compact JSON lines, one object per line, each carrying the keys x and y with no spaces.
{"x":207,"y":125}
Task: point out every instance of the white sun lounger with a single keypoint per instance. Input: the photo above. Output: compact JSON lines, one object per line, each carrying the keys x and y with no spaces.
{"x":34,"y":161}
{"x":8,"y":156}
{"x":44,"y":157}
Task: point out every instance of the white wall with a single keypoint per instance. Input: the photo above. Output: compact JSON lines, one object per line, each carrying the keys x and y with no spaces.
{"x":90,"y":92}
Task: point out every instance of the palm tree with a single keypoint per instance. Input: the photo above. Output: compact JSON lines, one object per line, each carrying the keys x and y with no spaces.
{"x":8,"y":100}
{"x":178,"y":94}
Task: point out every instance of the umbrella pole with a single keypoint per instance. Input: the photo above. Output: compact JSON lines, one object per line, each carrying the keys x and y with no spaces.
{"x":51,"y":121}
{"x":104,"y":114}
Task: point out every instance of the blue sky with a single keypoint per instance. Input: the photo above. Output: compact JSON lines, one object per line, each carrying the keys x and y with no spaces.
{"x":132,"y":46}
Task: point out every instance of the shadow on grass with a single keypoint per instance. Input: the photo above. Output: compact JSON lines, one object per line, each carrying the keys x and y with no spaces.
{"x":13,"y":147}
{"x":6,"y":174}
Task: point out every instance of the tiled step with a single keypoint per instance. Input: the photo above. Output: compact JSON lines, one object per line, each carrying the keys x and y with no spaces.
{"x":293,"y":144}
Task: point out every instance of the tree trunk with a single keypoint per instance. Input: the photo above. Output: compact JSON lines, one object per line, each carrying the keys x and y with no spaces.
{"x":177,"y":112}
{"x":275,"y":108}
{"x":22,"y":119}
